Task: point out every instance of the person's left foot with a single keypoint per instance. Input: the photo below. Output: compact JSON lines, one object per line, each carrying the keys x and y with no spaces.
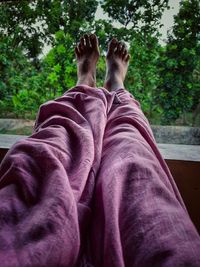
{"x":87,"y":55}
{"x":117,"y":64}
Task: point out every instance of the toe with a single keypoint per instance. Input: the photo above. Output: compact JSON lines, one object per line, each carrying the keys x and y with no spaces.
{"x":80,"y":48}
{"x":93,"y":41}
{"x":112,"y":46}
{"x":87,"y":41}
{"x":125,"y":52}
{"x":77,"y":52}
{"x":118,"y":49}
{"x":123,"y":48}
{"x":82,"y":41}
{"x":127,"y":58}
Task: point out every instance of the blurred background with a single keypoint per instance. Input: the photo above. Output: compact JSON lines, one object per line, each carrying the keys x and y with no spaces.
{"x":37,"y":62}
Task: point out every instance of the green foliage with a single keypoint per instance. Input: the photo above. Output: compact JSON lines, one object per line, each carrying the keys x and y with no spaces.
{"x":14,"y":68}
{"x":23,"y":88}
{"x":178,"y":92}
{"x":20,"y":82}
{"x":59,"y":64}
{"x":32,"y":24}
{"x":143,"y":78}
{"x":31,"y":98}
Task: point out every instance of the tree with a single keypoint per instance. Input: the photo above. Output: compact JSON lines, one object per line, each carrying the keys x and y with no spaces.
{"x":59,"y":64}
{"x":143,"y":77}
{"x":25,"y":27}
{"x":135,"y":14}
{"x":14,"y":69}
{"x":57,"y":75}
{"x":177,"y":91}
{"x":33,"y":24}
{"x":139,"y":26}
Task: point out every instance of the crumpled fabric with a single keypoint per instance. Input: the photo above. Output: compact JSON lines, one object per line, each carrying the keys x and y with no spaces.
{"x":90,"y":188}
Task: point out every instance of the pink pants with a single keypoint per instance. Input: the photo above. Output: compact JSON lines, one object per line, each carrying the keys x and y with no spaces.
{"x":90,"y":188}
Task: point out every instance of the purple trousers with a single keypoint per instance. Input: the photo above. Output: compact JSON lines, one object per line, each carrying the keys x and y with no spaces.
{"x":90,"y":188}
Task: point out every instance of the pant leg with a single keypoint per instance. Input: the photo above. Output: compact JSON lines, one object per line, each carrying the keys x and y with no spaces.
{"x":47,"y":181}
{"x":139,"y":218}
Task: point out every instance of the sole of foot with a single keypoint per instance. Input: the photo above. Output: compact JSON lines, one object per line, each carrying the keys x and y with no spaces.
{"x":87,"y":55}
{"x":117,"y":60}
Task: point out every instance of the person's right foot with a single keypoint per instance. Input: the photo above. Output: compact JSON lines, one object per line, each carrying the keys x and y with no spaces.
{"x":87,"y":55}
{"x":117,"y":64}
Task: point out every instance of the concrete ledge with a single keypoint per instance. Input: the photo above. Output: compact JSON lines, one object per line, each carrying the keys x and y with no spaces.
{"x":10,"y":124}
{"x":7,"y":140}
{"x":168,"y":151}
{"x":180,"y":152}
{"x":183,"y":135}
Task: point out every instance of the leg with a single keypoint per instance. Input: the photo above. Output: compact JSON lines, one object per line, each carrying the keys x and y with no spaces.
{"x":47,"y":181}
{"x":139,"y":218}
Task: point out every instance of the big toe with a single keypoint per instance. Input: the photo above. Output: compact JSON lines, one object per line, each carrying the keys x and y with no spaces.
{"x":112,"y":46}
{"x":87,"y":40}
{"x":94,"y":41}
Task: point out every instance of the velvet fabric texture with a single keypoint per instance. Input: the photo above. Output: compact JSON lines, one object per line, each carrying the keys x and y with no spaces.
{"x":90,"y":188}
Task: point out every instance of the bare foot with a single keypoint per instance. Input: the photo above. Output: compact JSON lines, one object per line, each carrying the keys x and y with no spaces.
{"x":117,"y":64}
{"x":87,"y":55}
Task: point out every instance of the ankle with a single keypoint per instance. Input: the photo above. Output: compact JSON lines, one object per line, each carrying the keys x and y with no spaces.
{"x":113,"y":83}
{"x":87,"y":79}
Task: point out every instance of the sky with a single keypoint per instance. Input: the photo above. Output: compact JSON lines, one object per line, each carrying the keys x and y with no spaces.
{"x":167,"y":19}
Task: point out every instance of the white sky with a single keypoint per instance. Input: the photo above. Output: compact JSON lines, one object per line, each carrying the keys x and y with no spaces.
{"x":167,"y":18}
